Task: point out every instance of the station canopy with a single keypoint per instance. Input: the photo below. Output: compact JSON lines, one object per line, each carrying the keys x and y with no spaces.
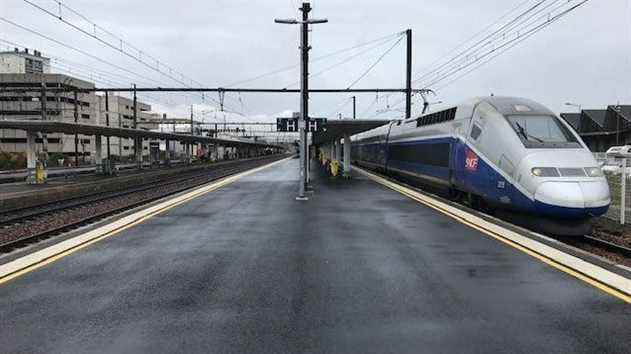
{"x":337,"y":128}
{"x":92,"y":129}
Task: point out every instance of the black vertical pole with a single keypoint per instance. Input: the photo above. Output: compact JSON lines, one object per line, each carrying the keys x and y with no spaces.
{"x":44,"y":118}
{"x":137,"y":141}
{"x":135,"y":109}
{"x":43,"y":101}
{"x":192,"y":133}
{"x":306,"y":8}
{"x":408,"y":75}
{"x":354,"y":107}
{"x":107,"y":122}
{"x":76,"y":136}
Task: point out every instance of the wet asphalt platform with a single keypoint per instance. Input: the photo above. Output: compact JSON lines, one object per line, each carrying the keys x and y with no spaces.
{"x":358,"y":268}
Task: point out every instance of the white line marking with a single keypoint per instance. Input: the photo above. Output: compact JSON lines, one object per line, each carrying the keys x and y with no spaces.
{"x":50,"y":254}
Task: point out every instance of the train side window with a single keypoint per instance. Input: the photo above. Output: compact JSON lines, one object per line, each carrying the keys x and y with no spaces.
{"x":475,"y":132}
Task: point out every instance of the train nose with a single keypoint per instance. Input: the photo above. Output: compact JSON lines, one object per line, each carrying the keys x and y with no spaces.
{"x":589,"y":196}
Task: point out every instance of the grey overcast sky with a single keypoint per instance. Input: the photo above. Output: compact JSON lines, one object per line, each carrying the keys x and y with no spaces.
{"x":583,"y":58}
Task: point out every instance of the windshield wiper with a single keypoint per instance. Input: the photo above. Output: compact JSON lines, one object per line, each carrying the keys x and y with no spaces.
{"x":521,"y":130}
{"x":525,"y":134}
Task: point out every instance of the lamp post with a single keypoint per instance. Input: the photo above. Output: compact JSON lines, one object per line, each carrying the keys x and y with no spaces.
{"x":304,"y":89}
{"x":618,"y":114}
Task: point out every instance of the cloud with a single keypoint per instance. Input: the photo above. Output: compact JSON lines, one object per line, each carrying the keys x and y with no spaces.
{"x":583,"y":58}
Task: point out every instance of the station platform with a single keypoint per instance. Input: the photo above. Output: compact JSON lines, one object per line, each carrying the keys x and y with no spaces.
{"x":358,"y":268}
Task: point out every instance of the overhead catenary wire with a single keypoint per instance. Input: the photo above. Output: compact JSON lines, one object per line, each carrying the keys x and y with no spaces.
{"x":374,"y":64}
{"x":339,"y":106}
{"x":122,"y":43}
{"x":342,"y":62}
{"x":515,"y":26}
{"x":121,"y":80}
{"x":466,"y":51}
{"x":513,"y":44}
{"x":315,"y":59}
{"x":519,"y":38}
{"x":80,"y":51}
{"x":519,"y":32}
{"x":120,"y":48}
{"x":469,"y":39}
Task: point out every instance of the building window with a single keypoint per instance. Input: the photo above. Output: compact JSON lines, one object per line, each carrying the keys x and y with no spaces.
{"x":85,"y":116}
{"x":13,"y":140}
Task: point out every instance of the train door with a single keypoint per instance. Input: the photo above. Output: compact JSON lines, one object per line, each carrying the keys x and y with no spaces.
{"x":485,"y":177}
{"x":473,"y":175}
{"x":386,"y":146}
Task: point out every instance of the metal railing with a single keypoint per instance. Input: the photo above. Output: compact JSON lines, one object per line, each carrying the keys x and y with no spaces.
{"x":618,"y":173}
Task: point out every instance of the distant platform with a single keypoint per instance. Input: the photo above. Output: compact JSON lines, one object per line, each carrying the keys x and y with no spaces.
{"x":358,"y":268}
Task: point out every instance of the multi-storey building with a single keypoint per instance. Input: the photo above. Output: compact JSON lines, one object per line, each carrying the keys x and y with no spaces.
{"x":30,"y":74}
{"x":26,"y":104}
{"x":17,"y":62}
{"x":120,"y":114}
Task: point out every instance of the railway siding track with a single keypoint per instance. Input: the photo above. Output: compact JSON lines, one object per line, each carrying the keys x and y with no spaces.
{"x":22,"y":227}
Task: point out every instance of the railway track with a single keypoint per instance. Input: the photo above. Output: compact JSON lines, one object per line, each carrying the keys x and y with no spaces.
{"x":609,"y":246}
{"x":16,"y":215}
{"x":19,"y":228}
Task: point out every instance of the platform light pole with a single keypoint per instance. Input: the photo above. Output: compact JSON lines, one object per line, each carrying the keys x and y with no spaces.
{"x":303,"y":122}
{"x":408,"y":74}
{"x":354,"y":107}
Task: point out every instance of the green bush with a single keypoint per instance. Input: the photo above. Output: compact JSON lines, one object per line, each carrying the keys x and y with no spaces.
{"x":12,"y":160}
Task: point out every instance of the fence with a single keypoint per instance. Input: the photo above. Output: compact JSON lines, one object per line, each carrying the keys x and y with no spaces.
{"x":618,"y":177}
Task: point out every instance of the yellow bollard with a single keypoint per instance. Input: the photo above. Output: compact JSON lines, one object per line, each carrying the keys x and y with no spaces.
{"x":335,"y":168}
{"x":40,"y":173}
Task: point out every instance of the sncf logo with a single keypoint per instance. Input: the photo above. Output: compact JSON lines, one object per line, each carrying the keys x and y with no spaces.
{"x":471,"y":161}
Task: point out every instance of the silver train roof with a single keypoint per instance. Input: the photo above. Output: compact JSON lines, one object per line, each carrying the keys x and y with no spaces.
{"x":516,"y":106}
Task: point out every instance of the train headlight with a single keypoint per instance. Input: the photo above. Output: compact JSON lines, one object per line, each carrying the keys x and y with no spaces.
{"x":545,"y":172}
{"x":593,"y":171}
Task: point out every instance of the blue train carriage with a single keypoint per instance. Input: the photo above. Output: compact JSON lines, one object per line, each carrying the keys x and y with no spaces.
{"x":511,"y":154}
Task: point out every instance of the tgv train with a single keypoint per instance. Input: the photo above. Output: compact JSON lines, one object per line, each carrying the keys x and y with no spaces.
{"x":500,"y":153}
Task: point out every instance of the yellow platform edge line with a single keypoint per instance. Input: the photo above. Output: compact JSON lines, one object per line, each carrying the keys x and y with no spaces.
{"x":168,"y":204}
{"x":541,"y":257}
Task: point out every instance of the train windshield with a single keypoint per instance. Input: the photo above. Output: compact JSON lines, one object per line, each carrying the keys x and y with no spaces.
{"x":542,"y":132}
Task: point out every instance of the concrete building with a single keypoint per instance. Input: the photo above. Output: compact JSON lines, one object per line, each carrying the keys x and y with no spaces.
{"x":30,"y":72}
{"x":17,"y":62}
{"x":59,"y":106}
{"x":121,"y":115}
